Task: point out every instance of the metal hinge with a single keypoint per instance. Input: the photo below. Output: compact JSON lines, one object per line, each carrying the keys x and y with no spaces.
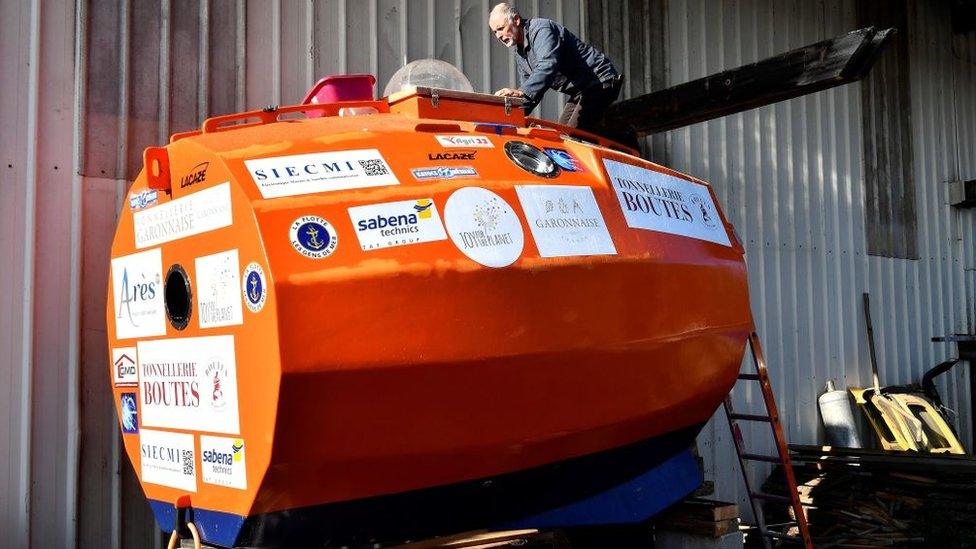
{"x":435,"y":99}
{"x":508,"y":106}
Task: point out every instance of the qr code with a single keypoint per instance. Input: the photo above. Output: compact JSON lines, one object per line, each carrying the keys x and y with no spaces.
{"x":374,"y":167}
{"x":187,"y":462}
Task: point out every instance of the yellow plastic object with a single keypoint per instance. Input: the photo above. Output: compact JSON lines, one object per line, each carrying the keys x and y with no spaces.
{"x":907,"y":422}
{"x":938,"y":435}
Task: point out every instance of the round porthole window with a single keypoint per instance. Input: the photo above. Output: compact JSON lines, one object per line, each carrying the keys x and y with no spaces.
{"x":531,"y":159}
{"x":178,"y":297}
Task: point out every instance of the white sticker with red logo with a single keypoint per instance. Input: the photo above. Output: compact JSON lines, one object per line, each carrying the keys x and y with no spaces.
{"x":189,"y":383}
{"x":660,"y":202}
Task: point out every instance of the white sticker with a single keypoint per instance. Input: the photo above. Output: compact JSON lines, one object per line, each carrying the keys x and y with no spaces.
{"x":137,"y":287}
{"x":565,"y":220}
{"x":218,"y":279}
{"x":124,"y":371}
{"x":222,"y":461}
{"x":320,"y":172}
{"x":254,"y":287}
{"x":484,"y":226}
{"x":397,"y":223}
{"x":189,"y":383}
{"x":168,"y":459}
{"x":659,"y":202}
{"x":465,"y":141}
{"x":192,"y":214}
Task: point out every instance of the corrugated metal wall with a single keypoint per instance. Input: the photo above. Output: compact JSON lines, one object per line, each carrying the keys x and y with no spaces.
{"x":86,"y":86}
{"x":790,"y":176}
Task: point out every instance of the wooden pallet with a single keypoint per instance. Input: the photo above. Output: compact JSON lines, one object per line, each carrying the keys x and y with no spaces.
{"x":701,"y":517}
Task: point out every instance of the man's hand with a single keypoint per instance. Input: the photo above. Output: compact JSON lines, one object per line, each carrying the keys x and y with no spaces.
{"x":509,"y":92}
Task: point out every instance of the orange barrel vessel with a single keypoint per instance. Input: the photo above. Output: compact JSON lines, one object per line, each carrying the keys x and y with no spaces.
{"x":414,"y":316}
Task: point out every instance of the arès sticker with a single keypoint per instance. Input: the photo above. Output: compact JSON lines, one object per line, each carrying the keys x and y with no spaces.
{"x":484,"y":227}
{"x":565,"y":220}
{"x":124,"y":370}
{"x":254,"y":287}
{"x":217,"y":283}
{"x":660,"y":202}
{"x":320,"y":172}
{"x":190,"y":215}
{"x":222,"y":461}
{"x":189,"y":383}
{"x":138,"y":292}
{"x":465,"y":141}
{"x":168,"y":459}
{"x":397,"y":223}
{"x":313,"y":237}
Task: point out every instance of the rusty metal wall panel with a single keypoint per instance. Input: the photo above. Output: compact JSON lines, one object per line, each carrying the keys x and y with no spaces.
{"x":890,"y":214}
{"x":40,"y":245}
{"x":17,"y":192}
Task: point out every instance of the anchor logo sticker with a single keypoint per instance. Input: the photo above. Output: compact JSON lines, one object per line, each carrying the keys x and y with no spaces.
{"x":254,"y":288}
{"x":313,"y":237}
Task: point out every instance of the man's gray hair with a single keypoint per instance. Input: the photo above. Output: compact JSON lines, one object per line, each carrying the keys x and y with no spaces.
{"x":508,"y":10}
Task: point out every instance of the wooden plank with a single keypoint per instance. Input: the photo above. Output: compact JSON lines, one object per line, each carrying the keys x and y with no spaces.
{"x":700,"y":527}
{"x":705,"y":509}
{"x":797,"y":72}
{"x":483,"y":539}
{"x":826,"y":456}
{"x":700,"y":516}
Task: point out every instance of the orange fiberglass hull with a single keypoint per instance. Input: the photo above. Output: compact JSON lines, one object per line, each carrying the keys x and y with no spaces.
{"x":312,"y":312}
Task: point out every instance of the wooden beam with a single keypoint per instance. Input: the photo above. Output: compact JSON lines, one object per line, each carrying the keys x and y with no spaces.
{"x":809,"y":69}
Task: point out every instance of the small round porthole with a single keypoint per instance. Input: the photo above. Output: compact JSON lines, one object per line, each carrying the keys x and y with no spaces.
{"x":178,"y":297}
{"x":531,"y":159}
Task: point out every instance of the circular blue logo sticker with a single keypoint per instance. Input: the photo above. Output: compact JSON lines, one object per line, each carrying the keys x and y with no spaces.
{"x":130,"y":413}
{"x":313,"y":237}
{"x":253,"y":286}
{"x":563,"y":159}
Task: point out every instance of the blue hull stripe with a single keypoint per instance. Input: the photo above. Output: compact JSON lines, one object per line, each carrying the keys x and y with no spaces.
{"x":624,"y":485}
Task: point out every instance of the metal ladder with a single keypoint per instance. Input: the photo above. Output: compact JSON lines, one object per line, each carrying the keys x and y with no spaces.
{"x":756,"y":497}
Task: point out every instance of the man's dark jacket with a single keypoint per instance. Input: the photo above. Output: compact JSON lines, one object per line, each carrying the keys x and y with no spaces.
{"x":553,"y":57}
